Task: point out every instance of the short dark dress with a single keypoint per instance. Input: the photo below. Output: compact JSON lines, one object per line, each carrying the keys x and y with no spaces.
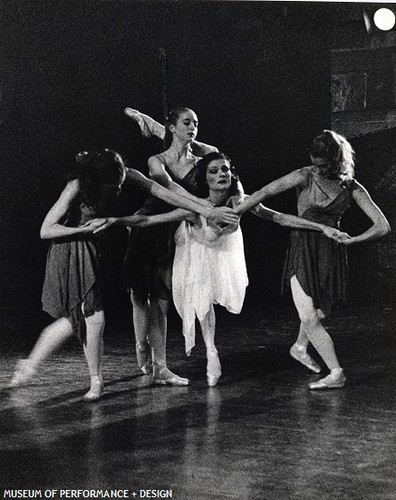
{"x":73,"y":274}
{"x":319,"y":263}
{"x":150,"y":252}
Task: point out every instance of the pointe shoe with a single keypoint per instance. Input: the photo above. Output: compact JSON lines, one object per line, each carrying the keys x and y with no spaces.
{"x":163,"y":376}
{"x":213,"y":370}
{"x":146,"y":124}
{"x":96,"y":390}
{"x":23,"y":373}
{"x":304,"y":358}
{"x":329,"y":382}
{"x":143,"y":352}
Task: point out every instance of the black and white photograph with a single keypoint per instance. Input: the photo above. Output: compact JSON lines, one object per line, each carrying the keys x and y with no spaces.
{"x":198,"y":257}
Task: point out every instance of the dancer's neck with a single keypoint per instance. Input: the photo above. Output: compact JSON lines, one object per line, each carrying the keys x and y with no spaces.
{"x":219,"y":198}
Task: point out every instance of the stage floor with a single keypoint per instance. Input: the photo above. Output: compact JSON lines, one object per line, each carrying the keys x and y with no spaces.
{"x":260,"y":434}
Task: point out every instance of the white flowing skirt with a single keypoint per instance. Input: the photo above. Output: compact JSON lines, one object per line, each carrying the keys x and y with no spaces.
{"x":207,"y":269}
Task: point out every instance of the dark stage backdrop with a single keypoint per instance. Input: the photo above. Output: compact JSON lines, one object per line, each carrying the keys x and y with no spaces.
{"x":256,"y":73}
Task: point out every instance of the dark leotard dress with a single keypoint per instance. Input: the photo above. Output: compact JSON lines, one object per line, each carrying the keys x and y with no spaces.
{"x":73,"y":273}
{"x":319,"y":263}
{"x":150,"y":252}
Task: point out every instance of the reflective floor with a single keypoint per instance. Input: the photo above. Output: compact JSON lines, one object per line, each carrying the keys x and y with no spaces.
{"x":260,"y":434}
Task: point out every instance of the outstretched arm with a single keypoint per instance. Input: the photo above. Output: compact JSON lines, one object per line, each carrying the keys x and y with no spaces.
{"x":223,"y":215}
{"x":380,"y":225}
{"x":298,"y":223}
{"x":150,"y":127}
{"x":52,"y":226}
{"x":295,"y":178}
{"x":145,"y":220}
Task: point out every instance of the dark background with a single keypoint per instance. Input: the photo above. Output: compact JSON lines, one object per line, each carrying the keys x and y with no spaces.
{"x":256,"y":73}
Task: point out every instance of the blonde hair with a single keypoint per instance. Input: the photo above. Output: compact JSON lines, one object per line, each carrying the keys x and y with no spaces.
{"x":334,"y":147}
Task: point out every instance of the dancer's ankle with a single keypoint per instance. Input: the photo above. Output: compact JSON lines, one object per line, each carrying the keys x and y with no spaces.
{"x":96,"y":389}
{"x":24,"y":372}
{"x":336,"y":372}
{"x":300,"y":347}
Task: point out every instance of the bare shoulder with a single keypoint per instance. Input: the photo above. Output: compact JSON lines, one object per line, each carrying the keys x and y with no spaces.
{"x":358,"y":188}
{"x":359,"y":192}
{"x":157,"y":163}
{"x":305,"y":171}
{"x":301,"y":175}
{"x":157,"y":159}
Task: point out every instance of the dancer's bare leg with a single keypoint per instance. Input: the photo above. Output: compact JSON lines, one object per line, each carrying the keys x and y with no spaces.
{"x":208,"y":327}
{"x":318,"y":336}
{"x":50,"y":340}
{"x":157,"y":337}
{"x":141,"y":324}
{"x":93,"y":350}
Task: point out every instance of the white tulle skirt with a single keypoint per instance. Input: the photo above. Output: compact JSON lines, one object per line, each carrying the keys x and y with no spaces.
{"x":207,"y":269}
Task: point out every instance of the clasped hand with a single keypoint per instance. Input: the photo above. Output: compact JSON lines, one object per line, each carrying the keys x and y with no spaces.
{"x":339,"y":236}
{"x":98,"y":225}
{"x":223,"y":216}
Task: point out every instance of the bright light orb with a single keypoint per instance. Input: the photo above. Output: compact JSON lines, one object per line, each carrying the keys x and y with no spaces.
{"x":384,"y":19}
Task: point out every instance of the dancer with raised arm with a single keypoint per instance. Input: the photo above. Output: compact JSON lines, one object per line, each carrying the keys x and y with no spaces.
{"x":150,"y":253}
{"x":72,"y":291}
{"x":316,"y":267}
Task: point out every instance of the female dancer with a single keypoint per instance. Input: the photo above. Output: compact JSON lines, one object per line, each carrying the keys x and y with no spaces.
{"x":72,"y":289}
{"x":315,"y":266}
{"x":148,"y":264}
{"x":209,"y":265}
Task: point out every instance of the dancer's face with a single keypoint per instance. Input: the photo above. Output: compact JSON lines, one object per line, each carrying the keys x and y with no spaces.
{"x":218,"y":175}
{"x":186,"y":127}
{"x":320,"y":163}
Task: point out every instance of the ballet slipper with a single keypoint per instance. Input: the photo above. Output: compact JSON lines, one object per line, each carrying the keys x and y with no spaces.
{"x":143,"y":352}
{"x":213,"y":369}
{"x":23,"y":373}
{"x":96,"y":390}
{"x":304,"y":358}
{"x":329,"y":382}
{"x":147,"y":125}
{"x":163,"y":376}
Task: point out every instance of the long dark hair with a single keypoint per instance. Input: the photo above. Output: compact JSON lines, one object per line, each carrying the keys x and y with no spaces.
{"x":100,"y":174}
{"x":202,"y":167}
{"x":171,"y":119}
{"x":336,"y":149}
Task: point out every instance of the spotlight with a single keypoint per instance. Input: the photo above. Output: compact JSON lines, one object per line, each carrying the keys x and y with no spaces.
{"x":384,"y":19}
{"x":379,"y":19}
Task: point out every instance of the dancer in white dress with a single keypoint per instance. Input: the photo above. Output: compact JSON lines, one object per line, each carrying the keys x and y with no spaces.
{"x":209,"y":265}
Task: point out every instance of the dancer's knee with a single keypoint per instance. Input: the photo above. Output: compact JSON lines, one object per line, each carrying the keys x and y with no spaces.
{"x":309,"y":320}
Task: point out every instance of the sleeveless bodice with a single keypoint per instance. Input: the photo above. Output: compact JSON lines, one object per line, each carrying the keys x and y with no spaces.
{"x":318,"y":205}
{"x":319,"y":263}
